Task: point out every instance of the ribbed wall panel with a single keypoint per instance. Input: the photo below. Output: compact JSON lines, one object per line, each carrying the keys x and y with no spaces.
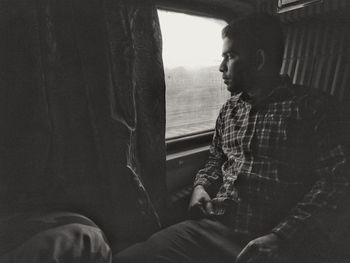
{"x":317,"y":55}
{"x":317,"y":49}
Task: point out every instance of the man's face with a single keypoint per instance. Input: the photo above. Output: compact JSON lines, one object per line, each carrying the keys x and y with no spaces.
{"x":235,"y":66}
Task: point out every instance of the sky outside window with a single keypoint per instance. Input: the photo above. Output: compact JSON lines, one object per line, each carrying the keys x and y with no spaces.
{"x":194,"y":88}
{"x":190,"y":41}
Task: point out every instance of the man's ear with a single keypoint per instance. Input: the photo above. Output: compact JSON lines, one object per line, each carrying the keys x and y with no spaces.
{"x":260,"y":59}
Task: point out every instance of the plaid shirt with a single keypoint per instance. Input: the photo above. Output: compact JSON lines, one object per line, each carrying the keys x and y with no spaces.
{"x":277,"y":165}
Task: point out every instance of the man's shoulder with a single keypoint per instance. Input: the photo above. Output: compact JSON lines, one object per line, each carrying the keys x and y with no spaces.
{"x":312,"y":101}
{"x":299,"y":93}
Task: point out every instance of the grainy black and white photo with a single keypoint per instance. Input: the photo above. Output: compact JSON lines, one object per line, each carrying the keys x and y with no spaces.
{"x":175,"y":131}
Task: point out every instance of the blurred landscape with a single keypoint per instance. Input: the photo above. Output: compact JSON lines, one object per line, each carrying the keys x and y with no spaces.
{"x":193,"y":99}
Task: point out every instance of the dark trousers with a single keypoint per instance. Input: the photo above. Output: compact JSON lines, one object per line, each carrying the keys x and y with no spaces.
{"x":190,"y":241}
{"x":210,"y":241}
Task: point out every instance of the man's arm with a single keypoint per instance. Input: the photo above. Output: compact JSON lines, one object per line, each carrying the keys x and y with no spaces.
{"x":314,"y":207}
{"x":329,"y":169}
{"x":209,"y":178}
{"x":329,"y":187}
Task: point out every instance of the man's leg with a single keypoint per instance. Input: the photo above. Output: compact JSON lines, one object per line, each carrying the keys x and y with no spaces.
{"x":201,"y":240}
{"x":55,"y":237}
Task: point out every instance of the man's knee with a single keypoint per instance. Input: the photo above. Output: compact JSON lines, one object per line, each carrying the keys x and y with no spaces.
{"x":71,"y":242}
{"x":143,"y":252}
{"x":172,"y":244}
{"x":77,"y":243}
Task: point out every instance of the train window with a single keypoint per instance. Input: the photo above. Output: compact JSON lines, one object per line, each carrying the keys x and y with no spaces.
{"x":191,"y":56}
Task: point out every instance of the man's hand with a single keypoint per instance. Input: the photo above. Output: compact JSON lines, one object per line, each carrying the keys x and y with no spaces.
{"x":200,"y":204}
{"x":259,"y":249}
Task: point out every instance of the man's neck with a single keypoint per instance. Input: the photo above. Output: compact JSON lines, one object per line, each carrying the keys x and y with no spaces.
{"x":263,"y":89}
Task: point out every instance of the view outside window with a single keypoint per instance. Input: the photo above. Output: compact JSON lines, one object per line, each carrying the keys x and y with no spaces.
{"x":195,"y":91}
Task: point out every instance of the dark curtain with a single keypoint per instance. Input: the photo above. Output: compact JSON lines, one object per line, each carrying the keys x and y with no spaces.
{"x":82,"y":111}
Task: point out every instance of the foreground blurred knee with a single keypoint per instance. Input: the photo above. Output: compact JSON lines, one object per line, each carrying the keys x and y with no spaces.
{"x":69,"y":243}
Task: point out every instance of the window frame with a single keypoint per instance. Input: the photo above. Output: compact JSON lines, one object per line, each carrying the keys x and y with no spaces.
{"x":196,"y":9}
{"x":195,"y":139}
{"x":188,"y":141}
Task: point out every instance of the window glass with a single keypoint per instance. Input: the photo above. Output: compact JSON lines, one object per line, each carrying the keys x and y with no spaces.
{"x":195,"y":91}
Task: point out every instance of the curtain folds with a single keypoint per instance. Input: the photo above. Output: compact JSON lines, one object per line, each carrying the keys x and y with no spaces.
{"x":83,"y":110}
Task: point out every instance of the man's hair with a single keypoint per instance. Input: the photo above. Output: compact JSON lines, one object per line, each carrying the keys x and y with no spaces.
{"x":258,"y":31}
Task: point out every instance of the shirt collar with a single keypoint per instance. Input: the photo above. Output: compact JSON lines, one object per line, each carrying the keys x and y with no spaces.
{"x":282,"y":92}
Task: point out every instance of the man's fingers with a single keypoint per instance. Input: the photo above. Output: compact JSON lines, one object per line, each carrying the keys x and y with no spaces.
{"x":200,"y":204}
{"x":248,"y":252}
{"x":196,"y":210}
{"x":209,"y":208}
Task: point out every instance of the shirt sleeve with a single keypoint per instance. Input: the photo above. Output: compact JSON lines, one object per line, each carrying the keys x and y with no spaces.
{"x":210,"y":177}
{"x":329,"y":169}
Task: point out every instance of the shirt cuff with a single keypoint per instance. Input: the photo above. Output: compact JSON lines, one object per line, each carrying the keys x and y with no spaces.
{"x":203,"y":182}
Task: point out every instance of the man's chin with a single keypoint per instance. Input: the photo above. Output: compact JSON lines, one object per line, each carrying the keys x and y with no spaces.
{"x":233,"y":90}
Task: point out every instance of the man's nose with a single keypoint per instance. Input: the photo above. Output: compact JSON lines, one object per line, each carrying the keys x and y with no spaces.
{"x":222,"y":66}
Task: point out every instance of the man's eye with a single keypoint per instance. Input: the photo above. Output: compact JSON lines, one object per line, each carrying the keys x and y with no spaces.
{"x":231,"y":56}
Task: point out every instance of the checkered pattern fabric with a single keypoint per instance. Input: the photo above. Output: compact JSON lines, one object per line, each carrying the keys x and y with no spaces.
{"x":277,"y":164}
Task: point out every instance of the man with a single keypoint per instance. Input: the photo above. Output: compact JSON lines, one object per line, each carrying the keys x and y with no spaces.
{"x":275,"y":169}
